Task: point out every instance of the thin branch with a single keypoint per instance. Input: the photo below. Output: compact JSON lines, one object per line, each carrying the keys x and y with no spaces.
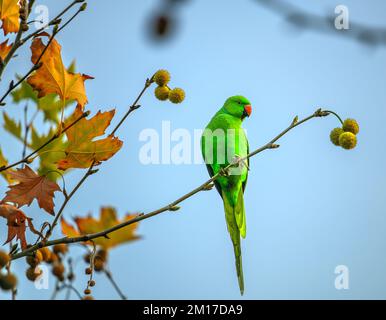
{"x":134,"y":106}
{"x":28,"y":159}
{"x":171,"y":206}
{"x":115,"y":285}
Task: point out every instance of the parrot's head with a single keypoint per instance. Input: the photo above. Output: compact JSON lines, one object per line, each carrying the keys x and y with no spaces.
{"x":238,"y":106}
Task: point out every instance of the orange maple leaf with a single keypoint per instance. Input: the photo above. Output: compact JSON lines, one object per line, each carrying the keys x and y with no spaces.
{"x":9,"y":15}
{"x":52,"y":76}
{"x":107,"y":219}
{"x":4,"y":49}
{"x":82,"y":150}
{"x":16,"y":220}
{"x":31,"y":186}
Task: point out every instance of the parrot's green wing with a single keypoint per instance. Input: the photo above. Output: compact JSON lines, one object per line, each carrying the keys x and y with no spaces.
{"x":211,"y":174}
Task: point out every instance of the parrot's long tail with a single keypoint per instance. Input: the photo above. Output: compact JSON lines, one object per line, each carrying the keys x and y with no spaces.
{"x":233,"y":228}
{"x":239,"y":265}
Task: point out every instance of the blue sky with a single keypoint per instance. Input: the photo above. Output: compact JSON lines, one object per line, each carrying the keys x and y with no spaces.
{"x":310,"y":206}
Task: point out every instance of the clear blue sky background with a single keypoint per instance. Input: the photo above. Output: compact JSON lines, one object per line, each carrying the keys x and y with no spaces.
{"x":310,"y":206}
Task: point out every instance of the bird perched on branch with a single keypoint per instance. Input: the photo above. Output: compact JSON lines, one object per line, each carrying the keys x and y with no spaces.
{"x":224,"y":142}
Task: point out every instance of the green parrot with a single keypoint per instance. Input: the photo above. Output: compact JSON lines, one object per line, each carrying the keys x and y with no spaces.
{"x":223,"y":141}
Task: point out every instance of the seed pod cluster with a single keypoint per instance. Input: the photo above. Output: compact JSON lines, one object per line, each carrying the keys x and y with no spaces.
{"x":163,"y":92}
{"x":346,"y":136}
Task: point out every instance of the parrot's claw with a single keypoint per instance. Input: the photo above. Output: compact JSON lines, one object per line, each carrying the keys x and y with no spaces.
{"x":224,"y":172}
{"x":240,"y":162}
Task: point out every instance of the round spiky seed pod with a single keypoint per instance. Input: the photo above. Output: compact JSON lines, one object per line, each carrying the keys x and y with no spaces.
{"x":87,"y":291}
{"x":33,"y":273}
{"x":87,"y":257}
{"x":99,"y":264}
{"x":46,"y":254}
{"x":60,"y":248}
{"x":177,"y":95}
{"x":58,"y":270}
{"x":4,"y":259}
{"x":162,"y":93}
{"x":102,"y":254}
{"x":162,"y":77}
{"x":91,"y":283}
{"x":351,"y":125}
{"x":34,"y":260}
{"x":88,"y":271}
{"x":334,"y":135}
{"x":88,"y":297}
{"x":53,"y":258}
{"x":347,"y":140}
{"x":8,"y":281}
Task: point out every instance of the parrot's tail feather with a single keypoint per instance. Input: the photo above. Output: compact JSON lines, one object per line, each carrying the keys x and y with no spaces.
{"x":239,"y":266}
{"x":235,"y":237}
{"x":239,"y":213}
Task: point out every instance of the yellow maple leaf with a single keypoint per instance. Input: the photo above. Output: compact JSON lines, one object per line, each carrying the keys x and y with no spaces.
{"x":107,"y":219}
{"x":4,"y":49}
{"x":82,"y":150}
{"x":6,"y":173}
{"x":52,"y":76}
{"x":9,"y":15}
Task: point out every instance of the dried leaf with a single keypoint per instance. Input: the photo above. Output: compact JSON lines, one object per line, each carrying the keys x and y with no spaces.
{"x":16,"y":223}
{"x":107,"y":219}
{"x":53,"y":77}
{"x":4,"y":49}
{"x":31,"y":186}
{"x":9,"y":15}
{"x":82,"y":150}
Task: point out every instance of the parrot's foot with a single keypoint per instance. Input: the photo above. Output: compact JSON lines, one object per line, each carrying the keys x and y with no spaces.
{"x":224,"y":172}
{"x":240,"y":162}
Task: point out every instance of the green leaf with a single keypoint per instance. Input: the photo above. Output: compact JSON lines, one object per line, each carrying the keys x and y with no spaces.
{"x":50,"y":154}
{"x":24,"y":93}
{"x":12,"y":126}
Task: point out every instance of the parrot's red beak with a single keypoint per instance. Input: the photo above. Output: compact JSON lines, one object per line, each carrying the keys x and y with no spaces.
{"x":247,"y":110}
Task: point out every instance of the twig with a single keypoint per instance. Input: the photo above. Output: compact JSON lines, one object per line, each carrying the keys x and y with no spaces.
{"x":115,"y":285}
{"x":270,"y":145}
{"x":134,"y":106}
{"x":28,"y":159}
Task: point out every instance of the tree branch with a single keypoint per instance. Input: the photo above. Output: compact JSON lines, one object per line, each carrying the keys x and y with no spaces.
{"x":171,"y":206}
